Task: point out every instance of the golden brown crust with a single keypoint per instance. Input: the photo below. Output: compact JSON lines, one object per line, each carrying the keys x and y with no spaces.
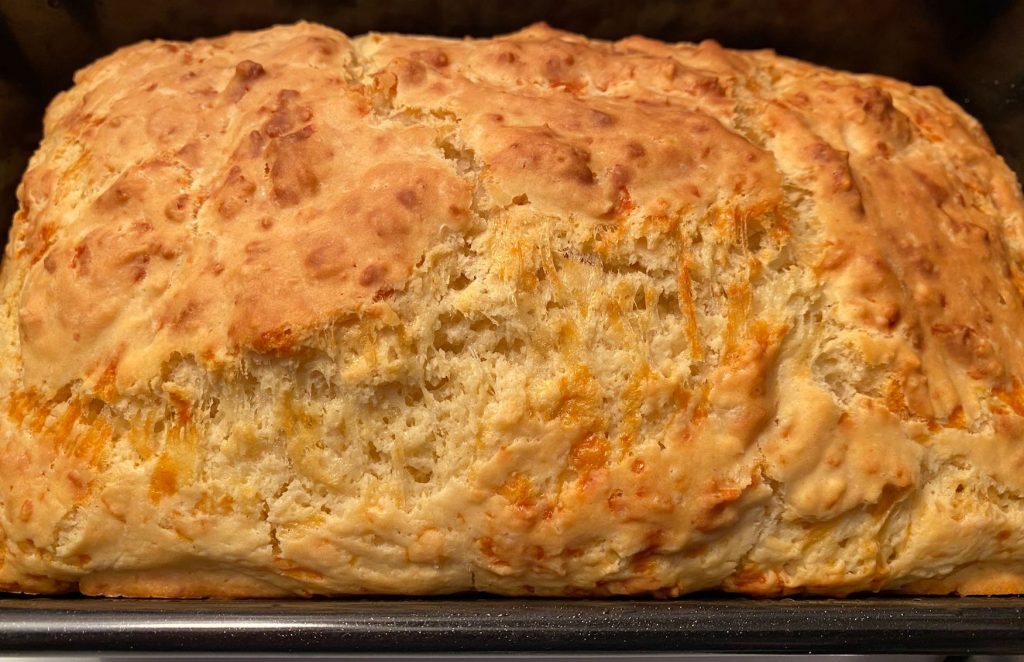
{"x":975,"y":579}
{"x":227,"y":172}
{"x":178,"y":583}
{"x":286,"y":313}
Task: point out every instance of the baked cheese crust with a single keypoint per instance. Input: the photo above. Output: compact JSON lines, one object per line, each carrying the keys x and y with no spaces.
{"x":291,"y":313}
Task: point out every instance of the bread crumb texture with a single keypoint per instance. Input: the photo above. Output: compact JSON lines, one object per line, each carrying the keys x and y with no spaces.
{"x":290,"y":313}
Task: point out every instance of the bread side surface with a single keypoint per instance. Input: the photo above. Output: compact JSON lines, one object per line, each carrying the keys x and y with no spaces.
{"x":289,"y":313}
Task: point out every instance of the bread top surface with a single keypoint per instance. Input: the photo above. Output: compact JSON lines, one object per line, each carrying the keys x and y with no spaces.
{"x":527,"y":314}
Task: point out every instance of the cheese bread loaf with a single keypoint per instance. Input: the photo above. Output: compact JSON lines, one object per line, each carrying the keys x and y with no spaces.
{"x":292,"y":313}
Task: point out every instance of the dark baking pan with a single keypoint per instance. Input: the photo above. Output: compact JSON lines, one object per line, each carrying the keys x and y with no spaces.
{"x":707,"y":624}
{"x":973,"y":50}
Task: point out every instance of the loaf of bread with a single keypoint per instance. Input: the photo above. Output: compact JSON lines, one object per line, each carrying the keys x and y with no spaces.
{"x":290,"y":313}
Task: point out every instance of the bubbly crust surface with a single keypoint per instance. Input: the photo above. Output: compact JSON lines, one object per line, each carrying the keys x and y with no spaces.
{"x":289,"y":313}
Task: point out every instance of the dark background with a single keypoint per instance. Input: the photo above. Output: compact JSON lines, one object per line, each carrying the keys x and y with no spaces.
{"x":973,"y":49}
